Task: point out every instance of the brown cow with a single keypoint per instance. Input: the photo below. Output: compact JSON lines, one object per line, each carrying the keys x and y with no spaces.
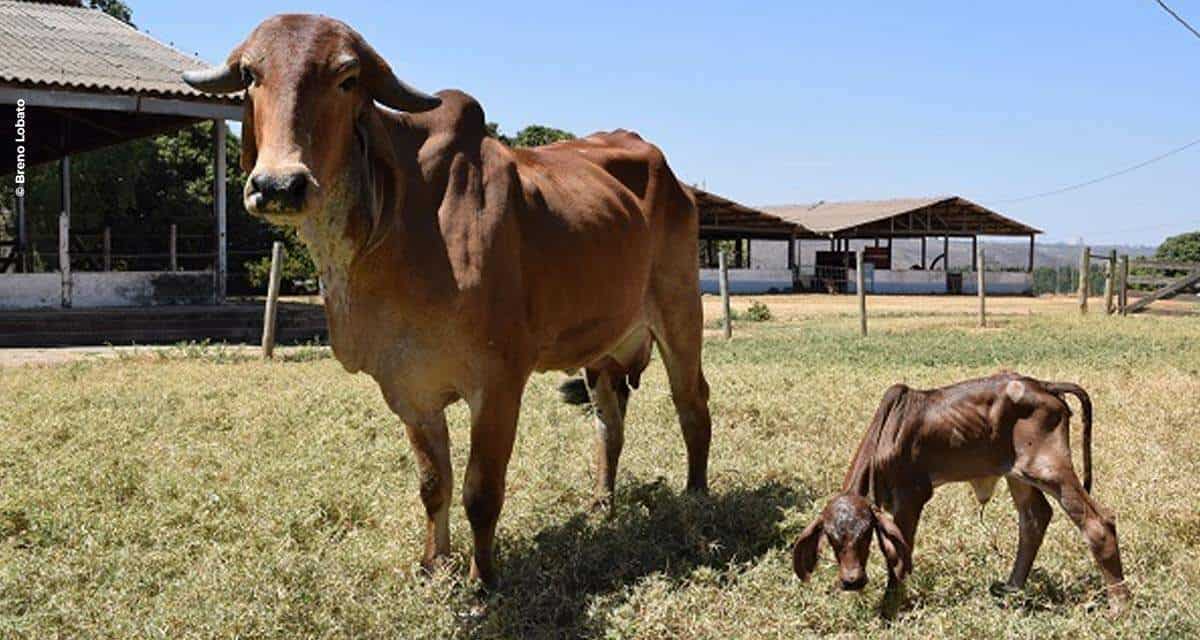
{"x":455,"y":267}
{"x":975,"y":431}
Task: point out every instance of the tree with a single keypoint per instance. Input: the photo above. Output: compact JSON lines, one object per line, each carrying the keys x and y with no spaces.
{"x":1184,"y":247}
{"x":114,"y":8}
{"x":535,"y":135}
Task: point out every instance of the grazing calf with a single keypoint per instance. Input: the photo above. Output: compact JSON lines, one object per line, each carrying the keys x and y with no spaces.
{"x":975,"y":431}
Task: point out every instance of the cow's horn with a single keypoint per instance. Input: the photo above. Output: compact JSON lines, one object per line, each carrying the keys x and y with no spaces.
{"x":223,"y":79}
{"x":397,"y":94}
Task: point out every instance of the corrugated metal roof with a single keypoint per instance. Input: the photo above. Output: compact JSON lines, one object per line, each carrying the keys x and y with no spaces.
{"x":71,"y":47}
{"x":837,"y":217}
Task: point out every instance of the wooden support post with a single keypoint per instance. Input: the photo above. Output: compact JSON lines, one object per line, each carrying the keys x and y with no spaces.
{"x":860,"y":286}
{"x":173,"y":248}
{"x":724,"y":281}
{"x":219,"y":207}
{"x":1031,"y":240}
{"x":974,"y":250}
{"x":979,"y":270}
{"x":107,"y":242}
{"x":64,"y":229}
{"x":946,"y":253}
{"x":1110,"y":282}
{"x":268,"y":336}
{"x":924,"y":262}
{"x":1084,"y":283}
{"x":791,"y":253}
{"x":1123,"y":285}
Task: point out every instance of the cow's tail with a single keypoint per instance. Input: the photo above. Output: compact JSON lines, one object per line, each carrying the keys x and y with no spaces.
{"x":1085,"y":401}
{"x":574,"y":391}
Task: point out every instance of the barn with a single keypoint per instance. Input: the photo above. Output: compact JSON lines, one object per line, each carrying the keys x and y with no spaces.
{"x":77,"y":80}
{"x":922,"y":245}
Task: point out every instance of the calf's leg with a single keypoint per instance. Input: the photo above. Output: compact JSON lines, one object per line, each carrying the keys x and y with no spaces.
{"x":1098,"y":527}
{"x":1034,"y":513}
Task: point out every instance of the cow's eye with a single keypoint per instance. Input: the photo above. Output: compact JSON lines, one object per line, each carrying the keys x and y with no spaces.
{"x":248,"y":77}
{"x":348,"y":84}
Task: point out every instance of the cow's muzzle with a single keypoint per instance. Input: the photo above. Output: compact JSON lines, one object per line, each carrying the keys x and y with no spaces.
{"x":275,"y":192}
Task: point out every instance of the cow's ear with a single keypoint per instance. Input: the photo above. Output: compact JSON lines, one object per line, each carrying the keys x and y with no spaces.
{"x":891,"y":542}
{"x":249,"y":143}
{"x":804,"y":552}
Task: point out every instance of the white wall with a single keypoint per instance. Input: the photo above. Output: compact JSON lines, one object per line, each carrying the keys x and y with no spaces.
{"x":30,"y":290}
{"x":106,"y":289}
{"x":999,"y":282}
{"x":747,"y":280}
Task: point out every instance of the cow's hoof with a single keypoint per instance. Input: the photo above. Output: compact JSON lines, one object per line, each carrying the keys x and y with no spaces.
{"x":602,"y":504}
{"x":1003,"y":589}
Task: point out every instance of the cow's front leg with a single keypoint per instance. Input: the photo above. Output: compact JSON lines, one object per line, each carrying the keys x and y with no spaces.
{"x":430,"y":441}
{"x":493,"y":428}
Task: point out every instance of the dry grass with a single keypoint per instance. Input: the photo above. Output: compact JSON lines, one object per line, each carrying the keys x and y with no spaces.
{"x":197,"y":492}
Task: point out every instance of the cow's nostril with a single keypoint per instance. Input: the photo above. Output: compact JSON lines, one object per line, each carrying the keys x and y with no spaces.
{"x":294,"y":186}
{"x":279,"y":193}
{"x":260,"y":183}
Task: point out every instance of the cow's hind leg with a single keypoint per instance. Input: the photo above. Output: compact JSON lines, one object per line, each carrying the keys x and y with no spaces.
{"x":493,"y":428}
{"x":610,"y":396}
{"x":430,"y":442}
{"x":1034,"y":515}
{"x":679,"y":335}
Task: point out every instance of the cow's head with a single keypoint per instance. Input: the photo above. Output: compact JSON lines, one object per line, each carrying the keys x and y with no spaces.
{"x":309,"y":81}
{"x":847,"y":523}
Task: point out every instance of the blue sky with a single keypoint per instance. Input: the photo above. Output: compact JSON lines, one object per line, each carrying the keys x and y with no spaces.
{"x":782,"y":102}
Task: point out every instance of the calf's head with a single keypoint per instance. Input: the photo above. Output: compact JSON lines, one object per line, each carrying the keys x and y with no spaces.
{"x":309,"y":82}
{"x":847,"y":523}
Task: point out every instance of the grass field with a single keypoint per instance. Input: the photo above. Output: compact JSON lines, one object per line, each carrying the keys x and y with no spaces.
{"x":198,"y":492}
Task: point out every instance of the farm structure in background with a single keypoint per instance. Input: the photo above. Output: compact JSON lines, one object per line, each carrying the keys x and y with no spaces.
{"x":114,"y":204}
{"x":83,"y":80}
{"x":812,"y":247}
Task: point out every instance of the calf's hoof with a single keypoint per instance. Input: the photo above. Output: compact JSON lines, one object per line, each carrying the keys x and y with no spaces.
{"x":1118,"y":600}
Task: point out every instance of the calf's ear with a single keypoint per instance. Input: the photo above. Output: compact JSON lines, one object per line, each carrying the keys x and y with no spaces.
{"x":899,"y":556}
{"x":804,"y":552}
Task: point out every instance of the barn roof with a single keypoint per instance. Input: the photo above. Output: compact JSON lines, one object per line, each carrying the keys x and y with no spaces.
{"x":934,"y":215}
{"x":64,"y":46}
{"x":721,"y":217}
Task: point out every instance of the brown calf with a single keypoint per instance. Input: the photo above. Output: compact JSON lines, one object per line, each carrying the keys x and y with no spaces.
{"x":975,"y":431}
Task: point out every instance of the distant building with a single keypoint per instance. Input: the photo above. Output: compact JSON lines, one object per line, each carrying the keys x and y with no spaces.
{"x":809,"y":247}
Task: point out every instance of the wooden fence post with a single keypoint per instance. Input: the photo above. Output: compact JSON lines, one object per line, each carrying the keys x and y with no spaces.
{"x":172,"y":248}
{"x":1110,"y":281}
{"x":107,"y":242}
{"x":724,"y":281}
{"x":860,"y":287}
{"x":982,"y":289}
{"x":268,"y":337}
{"x":64,"y":255}
{"x":1123,"y":285}
{"x":1084,"y":284}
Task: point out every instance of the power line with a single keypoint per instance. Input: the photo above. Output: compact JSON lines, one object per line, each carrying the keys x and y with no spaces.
{"x":1088,"y":183}
{"x":1177,"y":17}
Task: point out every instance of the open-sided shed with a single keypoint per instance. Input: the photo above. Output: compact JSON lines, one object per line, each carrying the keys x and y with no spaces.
{"x":75,"y":79}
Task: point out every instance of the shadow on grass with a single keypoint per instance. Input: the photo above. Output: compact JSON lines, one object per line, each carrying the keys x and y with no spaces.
{"x":549,"y":582}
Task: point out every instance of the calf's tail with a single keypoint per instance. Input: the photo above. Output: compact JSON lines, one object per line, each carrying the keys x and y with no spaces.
{"x":1085,"y":401}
